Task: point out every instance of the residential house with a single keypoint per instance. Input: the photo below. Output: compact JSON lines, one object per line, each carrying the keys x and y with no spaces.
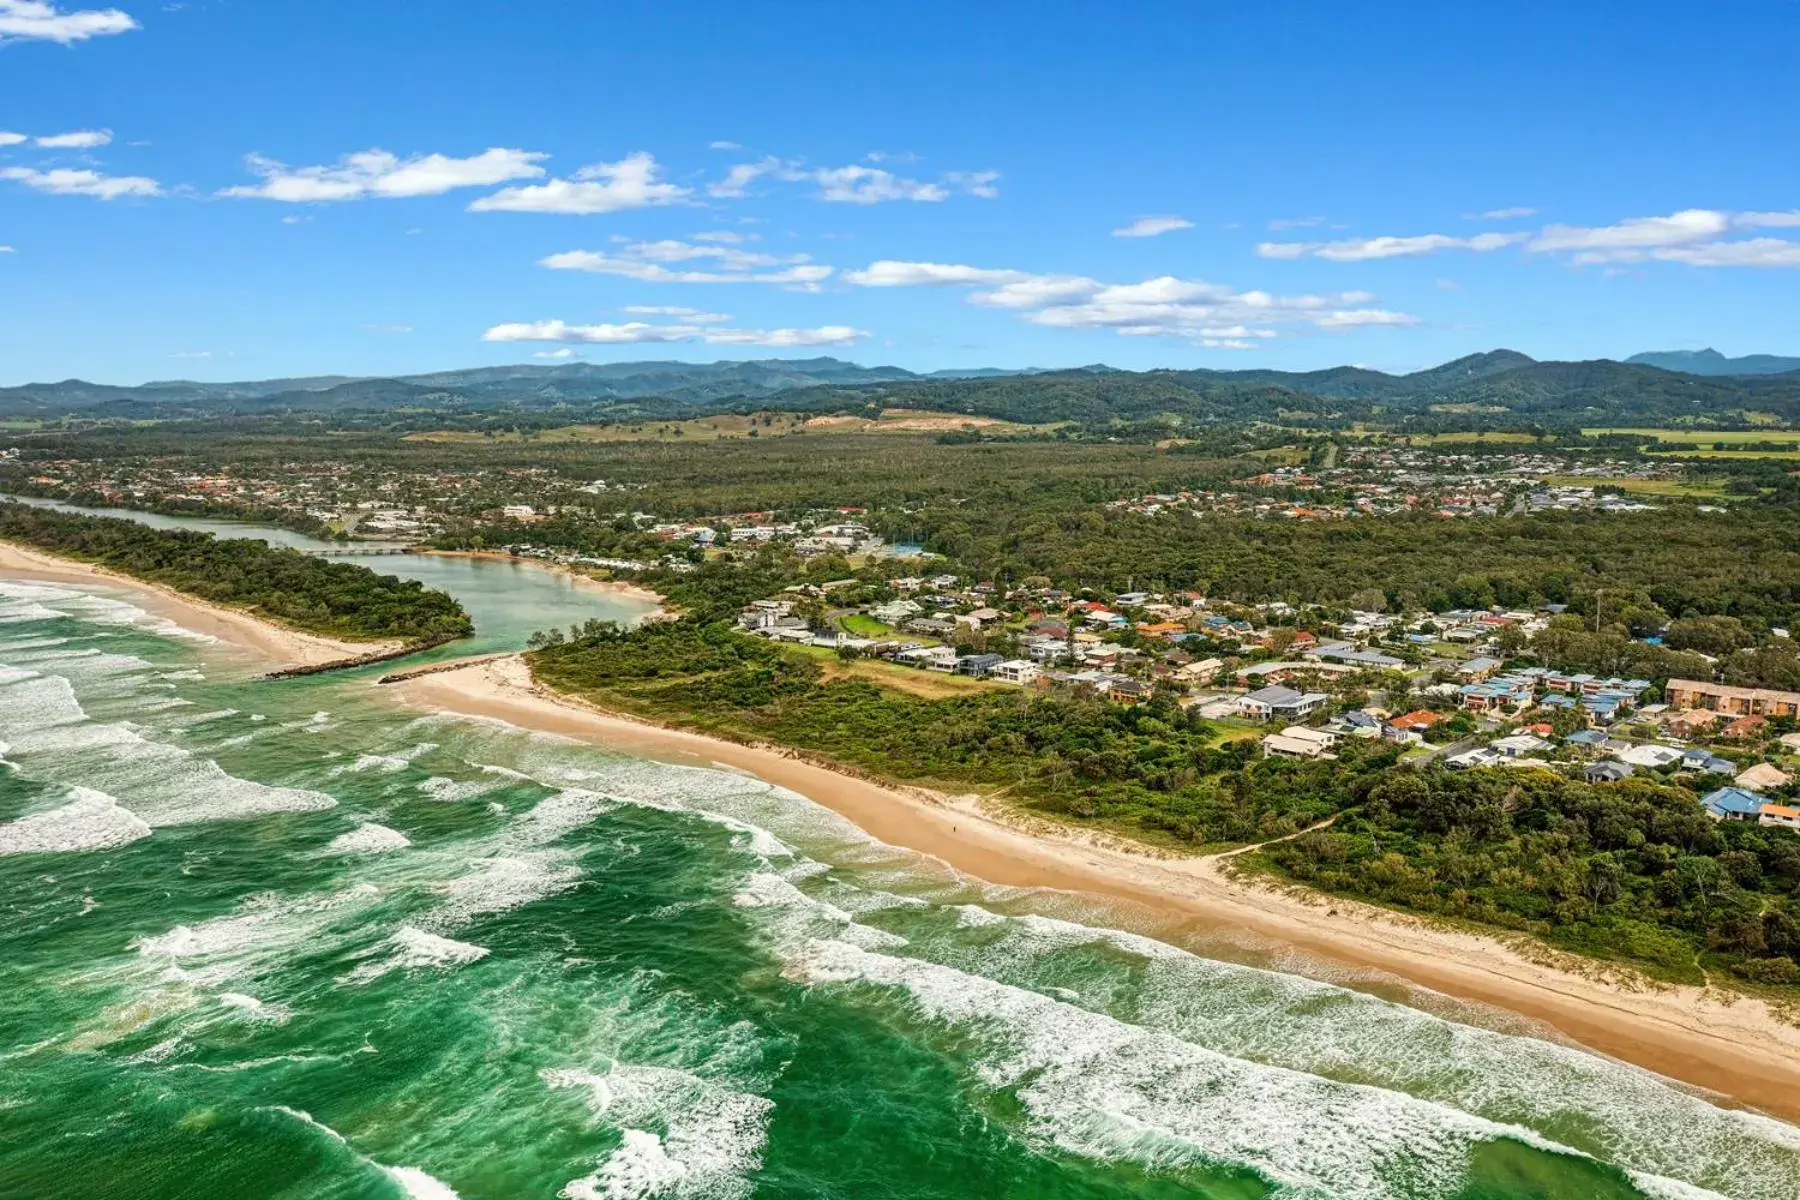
{"x":1200,"y":672}
{"x":1609,"y":771}
{"x":1299,"y":742}
{"x":1280,"y":703}
{"x":930,"y":658}
{"x":1017,"y":670}
{"x":1705,"y":762}
{"x":980,"y":666}
{"x":1475,"y":670}
{"x":1491,"y":695}
{"x":1762,"y":776}
{"x":1733,"y":804}
{"x":1519,"y":745}
{"x":1344,"y":652}
{"x":1739,"y":701}
{"x":1784,"y":815}
{"x":1652,"y":756}
{"x":1744,"y":728}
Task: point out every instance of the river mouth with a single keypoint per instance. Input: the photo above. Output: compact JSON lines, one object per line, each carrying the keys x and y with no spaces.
{"x":508,"y":600}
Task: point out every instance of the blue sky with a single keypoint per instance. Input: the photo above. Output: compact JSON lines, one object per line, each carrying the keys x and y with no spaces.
{"x":235,"y":189}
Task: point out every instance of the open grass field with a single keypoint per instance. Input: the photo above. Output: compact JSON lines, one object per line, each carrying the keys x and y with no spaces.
{"x":928,"y":685}
{"x":1701,"y":488}
{"x":1703,"y":437}
{"x":731,"y":426}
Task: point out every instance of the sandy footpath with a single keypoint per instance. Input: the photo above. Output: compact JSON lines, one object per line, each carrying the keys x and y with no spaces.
{"x":286,"y":646}
{"x":1712,"y":1039}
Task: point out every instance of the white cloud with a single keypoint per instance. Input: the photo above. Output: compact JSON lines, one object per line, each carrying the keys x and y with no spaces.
{"x":9,"y":138}
{"x":1504,"y":214}
{"x":6,"y":250}
{"x":723,"y":235}
{"x":645,"y":262}
{"x":640,"y":332}
{"x":693,"y":316}
{"x":854,"y":184}
{"x":35,"y":20}
{"x":80,"y":139}
{"x":1152,"y":226}
{"x":559,"y":352}
{"x":1210,"y":314}
{"x":890,"y":273}
{"x":377,"y":173}
{"x":976,"y":183}
{"x":64,"y":182}
{"x":1364,"y":249}
{"x":1769,"y":220}
{"x":872,"y":185}
{"x":1281,"y":223}
{"x":1600,"y":243}
{"x":723,"y":145}
{"x":1752,"y":252}
{"x":632,"y":182}
{"x":192,"y":354}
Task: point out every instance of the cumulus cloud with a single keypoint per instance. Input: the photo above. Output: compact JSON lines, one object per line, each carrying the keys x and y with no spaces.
{"x":37,"y":21}
{"x":648,"y":262}
{"x":1697,"y":237}
{"x":80,"y":139}
{"x":723,"y":145}
{"x":1634,"y":235}
{"x":1210,"y":314}
{"x":1364,"y":249}
{"x":856,"y":183}
{"x":632,"y":182}
{"x":640,"y":332}
{"x":559,"y":352}
{"x":379,"y":174}
{"x":9,"y":138}
{"x":65,"y":182}
{"x":1152,"y":226}
{"x":1504,"y":214}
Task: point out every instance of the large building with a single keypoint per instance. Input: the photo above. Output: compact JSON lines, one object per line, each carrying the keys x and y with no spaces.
{"x":1740,"y":701}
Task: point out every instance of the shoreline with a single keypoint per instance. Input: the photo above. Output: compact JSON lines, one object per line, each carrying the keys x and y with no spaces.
{"x":617,"y":587}
{"x":229,"y":625}
{"x":1732,"y":1045}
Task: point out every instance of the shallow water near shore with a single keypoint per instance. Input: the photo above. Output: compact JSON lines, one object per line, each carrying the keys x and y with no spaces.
{"x":290,"y":939}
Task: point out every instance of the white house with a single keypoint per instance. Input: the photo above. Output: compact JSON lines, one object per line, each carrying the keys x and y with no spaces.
{"x":1016,"y":670}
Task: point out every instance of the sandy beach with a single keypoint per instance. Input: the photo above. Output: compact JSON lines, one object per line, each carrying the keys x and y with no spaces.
{"x":287,"y":647}
{"x":1728,"y":1044}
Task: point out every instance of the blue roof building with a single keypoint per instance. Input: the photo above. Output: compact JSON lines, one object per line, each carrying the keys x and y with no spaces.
{"x":1733,"y":804}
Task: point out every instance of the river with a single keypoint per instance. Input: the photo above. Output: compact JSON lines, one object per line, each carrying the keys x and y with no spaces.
{"x":292,"y":940}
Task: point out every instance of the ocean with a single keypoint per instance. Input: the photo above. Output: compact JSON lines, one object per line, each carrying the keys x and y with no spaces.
{"x":293,"y":940}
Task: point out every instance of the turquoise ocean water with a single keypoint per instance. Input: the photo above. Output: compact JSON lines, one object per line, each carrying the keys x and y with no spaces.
{"x":294,"y":940}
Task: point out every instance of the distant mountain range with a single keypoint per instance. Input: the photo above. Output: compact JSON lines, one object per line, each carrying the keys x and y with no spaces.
{"x":1497,"y":386}
{"x":522,"y":384}
{"x":1711,"y":362}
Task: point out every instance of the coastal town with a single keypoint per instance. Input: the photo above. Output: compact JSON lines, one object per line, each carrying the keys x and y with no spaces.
{"x":1459,"y":687}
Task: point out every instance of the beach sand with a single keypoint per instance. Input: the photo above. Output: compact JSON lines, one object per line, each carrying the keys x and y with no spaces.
{"x":287,"y":647}
{"x":1728,"y":1044}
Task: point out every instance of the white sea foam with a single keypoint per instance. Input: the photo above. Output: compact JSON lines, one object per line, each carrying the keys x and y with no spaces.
{"x":1096,"y":1086}
{"x":52,"y":736}
{"x":554,"y":816}
{"x":711,"y":1140}
{"x":501,"y":884}
{"x":1627,"y":1115}
{"x":91,"y":820}
{"x":445,"y":790}
{"x":412,"y":1182}
{"x":368,"y":838}
{"x":412,"y":949}
{"x":257,"y":936}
